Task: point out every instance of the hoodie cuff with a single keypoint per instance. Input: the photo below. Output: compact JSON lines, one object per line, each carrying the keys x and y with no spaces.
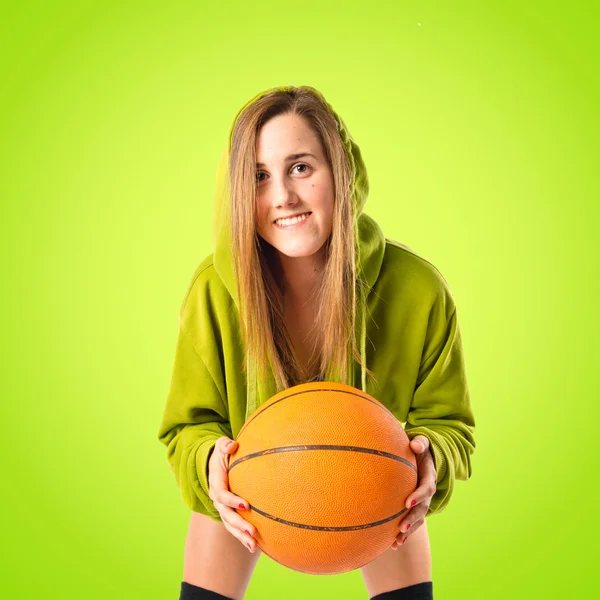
{"x":202,"y":457}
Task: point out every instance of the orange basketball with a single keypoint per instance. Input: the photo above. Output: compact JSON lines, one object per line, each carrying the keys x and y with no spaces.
{"x":326,"y":470}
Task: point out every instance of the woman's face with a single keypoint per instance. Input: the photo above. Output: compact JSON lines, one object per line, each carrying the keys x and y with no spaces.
{"x":289,"y":184}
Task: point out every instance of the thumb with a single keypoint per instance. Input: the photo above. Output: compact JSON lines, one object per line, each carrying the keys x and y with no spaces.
{"x":226,"y":445}
{"x":419,"y":443}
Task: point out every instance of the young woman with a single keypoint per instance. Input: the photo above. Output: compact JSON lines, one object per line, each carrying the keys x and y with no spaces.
{"x":299,"y":279}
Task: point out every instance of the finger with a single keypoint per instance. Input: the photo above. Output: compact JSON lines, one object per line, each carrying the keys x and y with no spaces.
{"x":423,"y":493}
{"x":234,"y":501}
{"x":218,"y":477}
{"x":228,"y":446}
{"x":219,"y":490}
{"x":243,"y":537}
{"x":219,"y":484}
{"x":403,"y":537}
{"x":413,"y":516}
{"x":419,"y":443}
{"x":219,"y":481}
{"x":227,"y":498}
{"x":427,"y":480}
{"x":244,"y":531}
{"x":407,"y":523}
{"x":247,"y":531}
{"x":229,"y":449}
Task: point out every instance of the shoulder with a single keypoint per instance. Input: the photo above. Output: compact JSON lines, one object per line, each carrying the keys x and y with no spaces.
{"x":204,"y":290}
{"x":405,"y":271}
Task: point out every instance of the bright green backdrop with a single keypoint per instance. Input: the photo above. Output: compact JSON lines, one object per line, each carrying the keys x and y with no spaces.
{"x":478,"y":124}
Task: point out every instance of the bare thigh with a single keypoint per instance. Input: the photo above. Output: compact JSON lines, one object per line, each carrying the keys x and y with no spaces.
{"x":216,"y":560}
{"x":394,"y":569}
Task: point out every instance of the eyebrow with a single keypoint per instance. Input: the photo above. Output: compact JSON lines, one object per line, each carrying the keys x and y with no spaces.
{"x":290,"y":157}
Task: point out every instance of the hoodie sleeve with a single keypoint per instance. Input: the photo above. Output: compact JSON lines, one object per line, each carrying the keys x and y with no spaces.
{"x":441,"y":408}
{"x":195,"y":416}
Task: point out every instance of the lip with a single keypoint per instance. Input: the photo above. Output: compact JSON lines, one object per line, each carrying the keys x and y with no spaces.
{"x":295,"y":225}
{"x":294,"y":215}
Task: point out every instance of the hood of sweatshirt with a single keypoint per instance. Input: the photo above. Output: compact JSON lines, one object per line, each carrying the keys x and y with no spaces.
{"x":371,"y":246}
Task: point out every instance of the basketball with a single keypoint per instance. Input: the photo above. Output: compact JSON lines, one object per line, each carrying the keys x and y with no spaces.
{"x":326,"y":470}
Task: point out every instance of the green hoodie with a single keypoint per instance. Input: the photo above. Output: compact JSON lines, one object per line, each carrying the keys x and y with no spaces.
{"x":415,"y":350}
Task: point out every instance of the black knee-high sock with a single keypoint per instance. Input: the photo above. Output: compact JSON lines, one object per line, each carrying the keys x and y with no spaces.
{"x":418,"y":591}
{"x":194,"y":592}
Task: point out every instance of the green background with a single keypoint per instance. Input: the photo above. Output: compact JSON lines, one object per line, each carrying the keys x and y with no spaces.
{"x":478,"y":124}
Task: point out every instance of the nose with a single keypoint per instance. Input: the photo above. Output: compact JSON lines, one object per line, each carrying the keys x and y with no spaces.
{"x":284,"y":193}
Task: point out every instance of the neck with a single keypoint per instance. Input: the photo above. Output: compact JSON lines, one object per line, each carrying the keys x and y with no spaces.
{"x":302,"y":276}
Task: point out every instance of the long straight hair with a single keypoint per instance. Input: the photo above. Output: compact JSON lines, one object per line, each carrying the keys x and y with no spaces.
{"x":257,"y":267}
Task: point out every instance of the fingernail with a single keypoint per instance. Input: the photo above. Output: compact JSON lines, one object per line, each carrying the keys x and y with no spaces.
{"x":404,"y":540}
{"x":242,"y":506}
{"x":407,"y":527}
{"x":413,"y":503}
{"x":249,"y":547}
{"x":248,"y":532}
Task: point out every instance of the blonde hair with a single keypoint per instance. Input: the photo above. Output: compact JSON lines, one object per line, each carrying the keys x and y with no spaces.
{"x":258,"y":275}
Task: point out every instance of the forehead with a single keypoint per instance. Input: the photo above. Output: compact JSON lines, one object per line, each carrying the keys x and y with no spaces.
{"x":284,"y":135}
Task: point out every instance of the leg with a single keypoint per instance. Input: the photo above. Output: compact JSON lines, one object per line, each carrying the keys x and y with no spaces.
{"x":215,"y":560}
{"x":395,"y":569}
{"x":418,"y":591}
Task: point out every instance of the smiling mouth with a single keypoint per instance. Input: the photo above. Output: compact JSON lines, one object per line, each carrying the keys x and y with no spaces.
{"x":292,"y":221}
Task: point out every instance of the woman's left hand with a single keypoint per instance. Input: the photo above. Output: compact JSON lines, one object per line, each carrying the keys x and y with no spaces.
{"x":418,"y":502}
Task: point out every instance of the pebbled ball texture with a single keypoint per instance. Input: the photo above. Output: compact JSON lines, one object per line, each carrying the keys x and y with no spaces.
{"x":326,"y":469}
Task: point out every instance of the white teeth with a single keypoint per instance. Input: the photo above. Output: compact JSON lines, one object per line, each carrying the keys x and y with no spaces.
{"x":286,"y":222}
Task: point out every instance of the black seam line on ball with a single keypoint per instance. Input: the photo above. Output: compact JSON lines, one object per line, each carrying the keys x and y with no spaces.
{"x":257,"y":414}
{"x":318,"y":528}
{"x":323,"y":447}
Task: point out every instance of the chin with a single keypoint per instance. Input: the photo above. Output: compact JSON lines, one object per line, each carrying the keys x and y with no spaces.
{"x":295,"y":252}
{"x":300,"y":249}
{"x":290,"y":254}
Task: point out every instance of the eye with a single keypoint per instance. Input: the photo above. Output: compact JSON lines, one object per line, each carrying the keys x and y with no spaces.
{"x":308,"y":167}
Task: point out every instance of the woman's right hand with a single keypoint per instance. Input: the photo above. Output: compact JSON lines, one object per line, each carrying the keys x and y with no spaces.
{"x":223,"y":499}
